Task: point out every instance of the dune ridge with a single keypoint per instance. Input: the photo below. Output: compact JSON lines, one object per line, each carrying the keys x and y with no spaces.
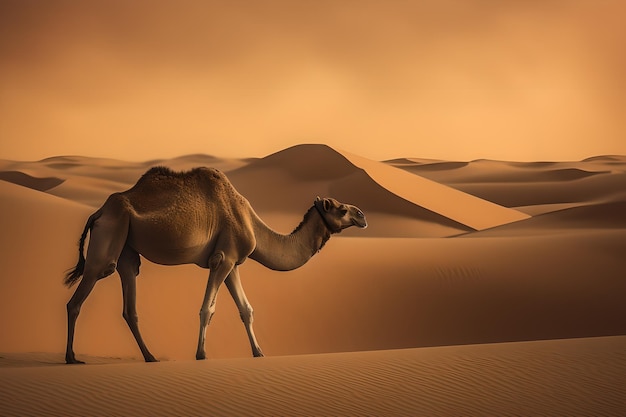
{"x":485,"y":170}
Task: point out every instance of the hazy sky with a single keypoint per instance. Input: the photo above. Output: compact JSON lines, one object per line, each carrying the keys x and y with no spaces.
{"x":450,"y":79}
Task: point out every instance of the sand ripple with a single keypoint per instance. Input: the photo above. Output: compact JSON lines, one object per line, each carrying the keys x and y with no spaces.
{"x":560,"y":377}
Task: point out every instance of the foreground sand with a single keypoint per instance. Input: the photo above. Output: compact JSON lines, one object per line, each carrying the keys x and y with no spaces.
{"x":559,"y":377}
{"x":414,"y":279}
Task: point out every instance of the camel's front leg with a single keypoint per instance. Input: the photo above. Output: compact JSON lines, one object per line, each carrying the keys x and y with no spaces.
{"x":233,"y":282}
{"x":220,"y":268}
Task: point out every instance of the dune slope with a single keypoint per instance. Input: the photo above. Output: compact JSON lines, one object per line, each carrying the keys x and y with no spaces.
{"x":464,"y":208}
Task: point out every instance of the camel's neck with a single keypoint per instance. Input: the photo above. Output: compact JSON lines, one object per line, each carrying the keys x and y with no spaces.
{"x":286,"y":252}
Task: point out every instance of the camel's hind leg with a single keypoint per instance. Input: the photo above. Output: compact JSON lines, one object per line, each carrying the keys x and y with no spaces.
{"x":128,"y":268}
{"x":73,"y":308}
{"x":233,"y":282}
{"x":108,"y":236}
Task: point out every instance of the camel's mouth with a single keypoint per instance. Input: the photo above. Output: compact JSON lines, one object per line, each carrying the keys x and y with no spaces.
{"x":360,"y":223}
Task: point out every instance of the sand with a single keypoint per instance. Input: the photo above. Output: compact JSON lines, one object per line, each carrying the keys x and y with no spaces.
{"x":564,"y":377}
{"x":407,"y":317}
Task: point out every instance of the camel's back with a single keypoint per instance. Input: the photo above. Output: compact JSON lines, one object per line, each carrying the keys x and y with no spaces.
{"x":161,"y":190}
{"x":178,"y":217}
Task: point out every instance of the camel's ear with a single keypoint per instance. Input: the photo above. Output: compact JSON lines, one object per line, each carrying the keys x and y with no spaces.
{"x":326,"y":203}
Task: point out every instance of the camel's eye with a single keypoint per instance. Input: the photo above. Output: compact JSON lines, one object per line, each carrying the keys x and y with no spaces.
{"x":360,"y":213}
{"x":343,"y":211}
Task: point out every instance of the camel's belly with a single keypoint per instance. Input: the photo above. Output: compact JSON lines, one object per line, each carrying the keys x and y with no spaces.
{"x":168,"y":246}
{"x":173,"y":255}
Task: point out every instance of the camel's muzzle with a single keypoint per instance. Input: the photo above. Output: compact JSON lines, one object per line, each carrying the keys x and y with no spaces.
{"x":360,"y":223}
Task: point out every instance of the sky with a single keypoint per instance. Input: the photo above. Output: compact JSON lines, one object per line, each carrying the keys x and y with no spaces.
{"x":444,"y":79}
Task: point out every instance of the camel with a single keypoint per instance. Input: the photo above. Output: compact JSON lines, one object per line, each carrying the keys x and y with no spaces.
{"x":194,"y":217}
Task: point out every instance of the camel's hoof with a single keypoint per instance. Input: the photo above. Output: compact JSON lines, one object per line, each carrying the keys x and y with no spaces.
{"x":74,"y":362}
{"x":259,"y":355}
{"x":200,"y":357}
{"x":151,"y":359}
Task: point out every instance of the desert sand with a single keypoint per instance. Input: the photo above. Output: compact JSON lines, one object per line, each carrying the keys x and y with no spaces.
{"x":513,"y":306}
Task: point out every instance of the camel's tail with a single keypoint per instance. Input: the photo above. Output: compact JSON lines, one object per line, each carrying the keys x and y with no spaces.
{"x":73,"y":275}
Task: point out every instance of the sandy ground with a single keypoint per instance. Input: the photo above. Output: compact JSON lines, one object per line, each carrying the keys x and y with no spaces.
{"x":398,"y":299}
{"x":565,"y":377}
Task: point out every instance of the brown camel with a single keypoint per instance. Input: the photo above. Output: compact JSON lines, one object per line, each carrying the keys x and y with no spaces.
{"x":195,"y":217}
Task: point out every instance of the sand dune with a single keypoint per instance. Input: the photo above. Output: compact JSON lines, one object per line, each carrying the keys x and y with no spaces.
{"x":517,"y":194}
{"x":398,"y":285}
{"x":531,"y":187}
{"x":564,"y":377}
{"x":373,"y":186}
{"x":25,"y":180}
{"x":610,"y":216}
{"x":619,"y":159}
{"x":490,"y":171}
{"x":35,"y":226}
{"x":300,"y":173}
{"x":91,"y":180}
{"x":461,"y":207}
{"x":92,"y":192}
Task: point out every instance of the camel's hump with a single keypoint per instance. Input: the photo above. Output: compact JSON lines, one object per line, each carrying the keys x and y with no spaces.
{"x":202,"y":181}
{"x":163,"y":172}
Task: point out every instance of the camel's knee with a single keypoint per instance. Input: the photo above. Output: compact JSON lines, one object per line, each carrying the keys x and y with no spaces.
{"x":131,"y":318}
{"x":80,"y":295}
{"x":247,"y":314}
{"x":73,"y":309}
{"x":206,"y":314}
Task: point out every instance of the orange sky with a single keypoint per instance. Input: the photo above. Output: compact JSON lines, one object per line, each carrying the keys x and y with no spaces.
{"x":451,"y":79}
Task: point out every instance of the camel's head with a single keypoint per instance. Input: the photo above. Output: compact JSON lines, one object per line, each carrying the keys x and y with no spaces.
{"x":339,"y":216}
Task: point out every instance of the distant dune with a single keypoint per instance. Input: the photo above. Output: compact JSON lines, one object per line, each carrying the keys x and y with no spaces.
{"x":420,"y":276}
{"x":488,"y":171}
{"x":25,"y":180}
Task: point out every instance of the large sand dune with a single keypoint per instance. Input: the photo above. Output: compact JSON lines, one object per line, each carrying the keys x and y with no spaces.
{"x":396,"y":285}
